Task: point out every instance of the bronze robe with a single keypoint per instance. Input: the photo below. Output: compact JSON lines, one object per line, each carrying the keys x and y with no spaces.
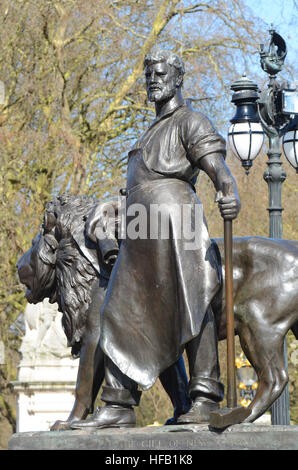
{"x":159,"y":290}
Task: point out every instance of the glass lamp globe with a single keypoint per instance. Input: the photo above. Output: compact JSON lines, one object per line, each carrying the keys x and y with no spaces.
{"x":246,"y":140}
{"x":290,"y":144}
{"x":245,"y":135}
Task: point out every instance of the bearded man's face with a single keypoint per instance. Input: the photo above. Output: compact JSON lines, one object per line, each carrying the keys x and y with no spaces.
{"x":161,"y":81}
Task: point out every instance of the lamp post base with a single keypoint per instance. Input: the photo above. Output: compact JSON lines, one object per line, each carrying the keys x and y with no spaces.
{"x":280,"y":410}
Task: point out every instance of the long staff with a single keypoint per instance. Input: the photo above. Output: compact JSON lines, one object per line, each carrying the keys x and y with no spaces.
{"x":231,"y":414}
{"x":231,"y":376}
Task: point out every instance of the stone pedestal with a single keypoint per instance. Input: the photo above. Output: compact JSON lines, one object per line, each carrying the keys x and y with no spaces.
{"x":162,"y":438}
{"x":41,"y":402}
{"x":47,"y":373}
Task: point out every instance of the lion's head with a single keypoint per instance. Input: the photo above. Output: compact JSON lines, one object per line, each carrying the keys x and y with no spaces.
{"x":36,"y":268}
{"x":55,"y":268}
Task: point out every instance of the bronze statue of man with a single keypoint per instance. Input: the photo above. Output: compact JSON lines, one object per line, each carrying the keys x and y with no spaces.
{"x":158,"y":300}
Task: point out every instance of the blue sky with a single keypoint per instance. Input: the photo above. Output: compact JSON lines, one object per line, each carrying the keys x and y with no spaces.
{"x":284,"y":16}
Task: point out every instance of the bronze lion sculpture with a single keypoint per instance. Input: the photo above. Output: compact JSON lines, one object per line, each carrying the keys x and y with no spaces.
{"x":64,"y":265}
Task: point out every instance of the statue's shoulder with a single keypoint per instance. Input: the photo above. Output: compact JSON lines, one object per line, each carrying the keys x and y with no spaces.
{"x":193,"y":120}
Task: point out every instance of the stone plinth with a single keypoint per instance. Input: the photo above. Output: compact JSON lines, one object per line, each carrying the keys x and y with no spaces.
{"x":47,"y":373}
{"x":40,"y":404}
{"x":174,"y":438}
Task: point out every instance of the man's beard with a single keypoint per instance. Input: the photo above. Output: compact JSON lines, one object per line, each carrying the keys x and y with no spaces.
{"x":161,"y":95}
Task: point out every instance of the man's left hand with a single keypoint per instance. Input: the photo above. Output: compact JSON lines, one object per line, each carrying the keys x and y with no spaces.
{"x":229,"y":206}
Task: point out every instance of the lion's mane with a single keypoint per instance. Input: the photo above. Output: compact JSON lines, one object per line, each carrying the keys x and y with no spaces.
{"x":74,"y":273}
{"x":74,"y":277}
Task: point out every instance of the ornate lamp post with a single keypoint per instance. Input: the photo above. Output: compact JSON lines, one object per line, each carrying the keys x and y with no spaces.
{"x":273,"y":112}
